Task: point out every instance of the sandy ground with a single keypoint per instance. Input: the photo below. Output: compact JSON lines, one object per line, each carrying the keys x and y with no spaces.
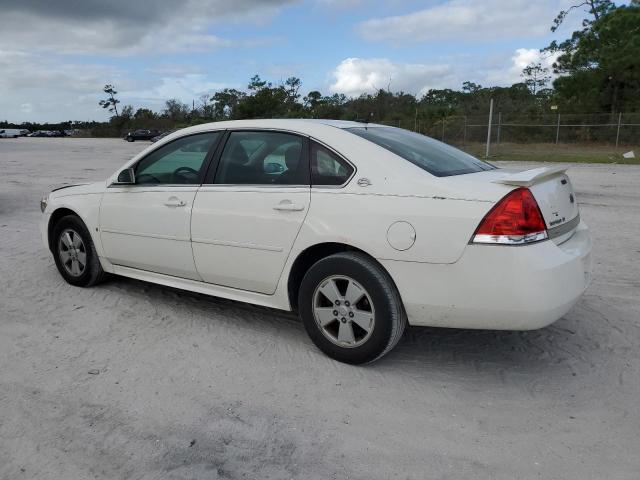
{"x":193,"y":387}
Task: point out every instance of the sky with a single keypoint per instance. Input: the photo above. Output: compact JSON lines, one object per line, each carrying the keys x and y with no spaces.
{"x":56,"y":56}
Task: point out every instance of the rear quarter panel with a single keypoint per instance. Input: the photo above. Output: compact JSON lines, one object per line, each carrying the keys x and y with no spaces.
{"x":442,"y":226}
{"x":443,"y":214}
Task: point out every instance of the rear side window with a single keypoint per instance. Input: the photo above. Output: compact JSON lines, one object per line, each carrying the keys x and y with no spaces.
{"x":435,"y":157}
{"x":327,"y":168}
{"x":263,"y":158}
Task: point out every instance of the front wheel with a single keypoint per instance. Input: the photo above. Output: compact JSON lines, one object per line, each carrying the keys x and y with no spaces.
{"x":350,"y":308}
{"x":75,"y":254}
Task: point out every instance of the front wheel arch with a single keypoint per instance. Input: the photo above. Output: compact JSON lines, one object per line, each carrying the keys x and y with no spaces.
{"x":55,"y":218}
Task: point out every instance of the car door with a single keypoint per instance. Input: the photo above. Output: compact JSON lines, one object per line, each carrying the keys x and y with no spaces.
{"x":146,"y":225}
{"x":247,"y":215}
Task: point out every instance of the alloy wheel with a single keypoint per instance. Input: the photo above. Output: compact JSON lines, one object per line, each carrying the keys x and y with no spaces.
{"x":343,"y":311}
{"x":72,"y":252}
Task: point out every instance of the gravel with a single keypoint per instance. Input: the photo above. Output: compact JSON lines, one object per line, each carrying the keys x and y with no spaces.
{"x":191,"y":386}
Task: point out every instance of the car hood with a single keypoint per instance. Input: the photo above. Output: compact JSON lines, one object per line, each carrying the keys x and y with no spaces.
{"x":77,"y":189}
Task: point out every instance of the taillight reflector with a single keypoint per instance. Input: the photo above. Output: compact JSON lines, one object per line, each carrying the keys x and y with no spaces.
{"x":514,"y":220}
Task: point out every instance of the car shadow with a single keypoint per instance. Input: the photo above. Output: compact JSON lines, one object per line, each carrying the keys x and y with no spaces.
{"x":483,"y":355}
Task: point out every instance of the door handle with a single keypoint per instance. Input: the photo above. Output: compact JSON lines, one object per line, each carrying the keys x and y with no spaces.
{"x":174,"y":202}
{"x":288,"y":206}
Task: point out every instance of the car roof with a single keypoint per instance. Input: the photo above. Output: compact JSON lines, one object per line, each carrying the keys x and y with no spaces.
{"x":339,"y":123}
{"x":303,"y":123}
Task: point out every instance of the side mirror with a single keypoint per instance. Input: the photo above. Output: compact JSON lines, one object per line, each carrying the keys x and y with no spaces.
{"x":126,"y":177}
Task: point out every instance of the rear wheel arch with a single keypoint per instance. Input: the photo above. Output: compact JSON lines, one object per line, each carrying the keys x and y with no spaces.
{"x":309,"y":256}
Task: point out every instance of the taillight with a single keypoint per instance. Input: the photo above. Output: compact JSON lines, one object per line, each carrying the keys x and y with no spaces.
{"x":514,"y":220}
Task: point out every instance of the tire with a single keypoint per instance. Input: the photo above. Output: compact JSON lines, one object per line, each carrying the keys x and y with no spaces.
{"x":379,"y":309}
{"x":129,"y":139}
{"x":64,"y":234}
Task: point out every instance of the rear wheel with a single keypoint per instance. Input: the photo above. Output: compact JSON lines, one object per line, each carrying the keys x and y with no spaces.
{"x":351,"y":308}
{"x":75,"y":254}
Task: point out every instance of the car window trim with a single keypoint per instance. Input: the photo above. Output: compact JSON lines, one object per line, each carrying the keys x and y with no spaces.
{"x":339,"y":155}
{"x":209,"y":180}
{"x":205,"y":164}
{"x":212,"y":166}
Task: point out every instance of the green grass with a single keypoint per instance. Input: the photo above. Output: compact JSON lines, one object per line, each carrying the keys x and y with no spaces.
{"x":544,"y":152}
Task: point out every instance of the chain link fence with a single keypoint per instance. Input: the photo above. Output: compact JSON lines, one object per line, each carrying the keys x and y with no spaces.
{"x":598,"y":128}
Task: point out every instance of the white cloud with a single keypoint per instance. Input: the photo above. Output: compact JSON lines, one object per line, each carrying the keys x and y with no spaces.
{"x":511,"y":73}
{"x":39,"y":81}
{"x":339,"y":4}
{"x":354,"y":76}
{"x":53,"y":91}
{"x":463,"y":20}
{"x":123,"y":27}
{"x":185,"y":88}
{"x":36,"y":87}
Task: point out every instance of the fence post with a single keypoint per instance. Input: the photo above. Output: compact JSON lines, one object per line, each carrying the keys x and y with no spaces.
{"x":558,"y":130}
{"x":486,"y":154}
{"x":464,"y":135}
{"x":499,"y":127}
{"x":618,"y":132}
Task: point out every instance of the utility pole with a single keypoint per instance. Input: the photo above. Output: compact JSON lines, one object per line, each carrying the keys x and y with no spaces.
{"x":464,"y":135}
{"x":558,"y":130}
{"x":486,"y":154}
{"x":618,"y":132}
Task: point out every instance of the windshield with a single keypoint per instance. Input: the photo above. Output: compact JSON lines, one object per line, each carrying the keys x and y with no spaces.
{"x":435,"y":157}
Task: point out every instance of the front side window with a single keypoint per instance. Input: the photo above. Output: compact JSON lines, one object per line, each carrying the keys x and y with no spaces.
{"x":327,"y":168}
{"x":178,"y":162}
{"x":435,"y":157}
{"x":263,"y":158}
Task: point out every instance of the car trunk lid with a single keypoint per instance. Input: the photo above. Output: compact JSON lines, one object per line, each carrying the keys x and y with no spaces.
{"x":554,"y":193}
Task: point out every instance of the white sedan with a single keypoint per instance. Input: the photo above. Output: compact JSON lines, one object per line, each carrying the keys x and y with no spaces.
{"x":360,"y":228}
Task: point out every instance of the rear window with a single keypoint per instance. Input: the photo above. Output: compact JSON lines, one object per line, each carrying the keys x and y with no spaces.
{"x":435,"y":157}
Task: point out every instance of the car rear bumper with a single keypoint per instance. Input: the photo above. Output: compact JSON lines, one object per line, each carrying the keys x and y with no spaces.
{"x":497,"y":287}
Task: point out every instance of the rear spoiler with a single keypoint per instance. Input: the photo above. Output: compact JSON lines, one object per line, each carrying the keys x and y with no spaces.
{"x":530,"y":177}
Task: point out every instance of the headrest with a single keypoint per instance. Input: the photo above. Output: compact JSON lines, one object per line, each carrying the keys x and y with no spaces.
{"x":238,"y":155}
{"x":292,"y":156}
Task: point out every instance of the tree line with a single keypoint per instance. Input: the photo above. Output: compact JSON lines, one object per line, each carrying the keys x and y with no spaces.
{"x":598,"y":70}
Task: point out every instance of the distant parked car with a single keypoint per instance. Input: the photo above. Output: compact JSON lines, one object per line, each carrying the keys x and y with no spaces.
{"x":39,"y":133}
{"x":160,"y":137}
{"x":10,"y":133}
{"x":141,"y":135}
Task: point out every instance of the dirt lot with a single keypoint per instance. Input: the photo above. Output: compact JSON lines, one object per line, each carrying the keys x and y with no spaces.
{"x":189,"y":386}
